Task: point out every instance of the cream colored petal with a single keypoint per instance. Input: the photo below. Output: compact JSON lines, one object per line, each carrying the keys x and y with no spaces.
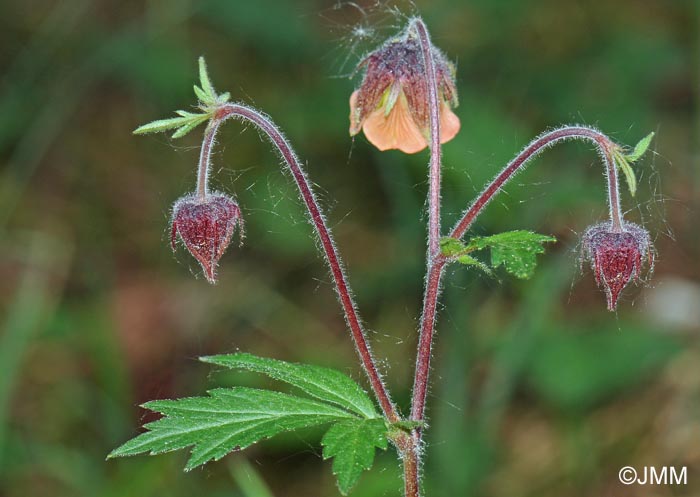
{"x":449,"y":123}
{"x":397,"y":130}
{"x":355,"y":124}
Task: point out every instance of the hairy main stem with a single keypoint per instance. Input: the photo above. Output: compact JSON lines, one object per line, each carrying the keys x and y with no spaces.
{"x":359,"y":336}
{"x":412,"y":454}
{"x":409,"y":450}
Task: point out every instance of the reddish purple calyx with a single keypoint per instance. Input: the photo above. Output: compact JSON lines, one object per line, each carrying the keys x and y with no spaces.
{"x":616,"y":256}
{"x":206,"y":227}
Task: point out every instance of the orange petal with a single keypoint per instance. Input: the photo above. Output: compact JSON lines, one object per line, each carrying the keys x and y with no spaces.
{"x":397,"y":130}
{"x":449,"y":123}
{"x":355,"y":124}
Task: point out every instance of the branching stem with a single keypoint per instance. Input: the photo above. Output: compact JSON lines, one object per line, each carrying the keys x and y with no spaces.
{"x":437,"y":264}
{"x":408,"y":445}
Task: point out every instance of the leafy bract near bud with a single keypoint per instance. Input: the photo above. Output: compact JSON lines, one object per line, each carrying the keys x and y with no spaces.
{"x":616,"y":257}
{"x":206,"y":226}
{"x":391,"y":104}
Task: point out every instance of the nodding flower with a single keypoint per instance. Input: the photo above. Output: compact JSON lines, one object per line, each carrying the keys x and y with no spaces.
{"x":616,"y":257}
{"x":391,"y":105}
{"x":206,"y":226}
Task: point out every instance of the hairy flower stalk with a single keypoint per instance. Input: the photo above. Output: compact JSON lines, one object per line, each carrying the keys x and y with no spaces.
{"x":265,"y":124}
{"x":611,"y":267}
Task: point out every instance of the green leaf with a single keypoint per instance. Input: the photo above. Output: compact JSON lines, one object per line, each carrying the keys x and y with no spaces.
{"x":624,"y":166}
{"x":193,"y":123}
{"x":203,"y":97}
{"x":205,"y":82}
{"x":183,"y":124}
{"x":515,"y":250}
{"x":161,"y":125}
{"x":640,"y":148}
{"x":451,"y":247}
{"x":325,"y":384}
{"x":468,"y":260}
{"x":352,"y":444}
{"x":229,"y":419}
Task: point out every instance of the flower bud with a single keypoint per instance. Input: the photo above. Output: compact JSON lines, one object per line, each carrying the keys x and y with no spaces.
{"x":391,"y":105}
{"x":616,"y":256}
{"x":206,"y":227}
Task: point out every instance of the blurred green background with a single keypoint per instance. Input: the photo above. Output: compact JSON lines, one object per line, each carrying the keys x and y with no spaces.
{"x":538,"y":390}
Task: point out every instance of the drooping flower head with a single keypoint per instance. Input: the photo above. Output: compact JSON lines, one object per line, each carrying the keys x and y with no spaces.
{"x":391,"y":104}
{"x":616,"y":257}
{"x":206,"y":227}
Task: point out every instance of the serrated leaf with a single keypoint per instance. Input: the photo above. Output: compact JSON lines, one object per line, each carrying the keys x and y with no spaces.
{"x":515,"y":250}
{"x":205,"y":82}
{"x":626,"y":168}
{"x":325,"y":384}
{"x":450,"y":247}
{"x":640,"y":148}
{"x":352,"y":444}
{"x":227,"y":420}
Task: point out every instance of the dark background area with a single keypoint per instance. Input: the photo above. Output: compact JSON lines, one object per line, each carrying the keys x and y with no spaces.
{"x":538,"y":390}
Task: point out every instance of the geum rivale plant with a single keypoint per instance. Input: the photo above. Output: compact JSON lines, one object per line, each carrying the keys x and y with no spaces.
{"x":405,"y":102}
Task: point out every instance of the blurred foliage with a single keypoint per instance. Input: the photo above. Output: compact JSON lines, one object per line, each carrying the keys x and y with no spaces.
{"x":538,"y":390}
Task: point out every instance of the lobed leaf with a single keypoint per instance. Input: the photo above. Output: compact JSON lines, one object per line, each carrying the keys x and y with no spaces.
{"x":352,"y":444}
{"x":325,"y":384}
{"x":515,"y":250}
{"x":456,"y":250}
{"x":225,"y":421}
{"x":451,"y":247}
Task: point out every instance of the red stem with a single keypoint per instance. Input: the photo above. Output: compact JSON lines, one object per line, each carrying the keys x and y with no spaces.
{"x":435,"y":148}
{"x":604,"y":144}
{"x":432,"y":293}
{"x":409,"y":450}
{"x":205,"y":157}
{"x":434,"y":263}
{"x":359,"y":336}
